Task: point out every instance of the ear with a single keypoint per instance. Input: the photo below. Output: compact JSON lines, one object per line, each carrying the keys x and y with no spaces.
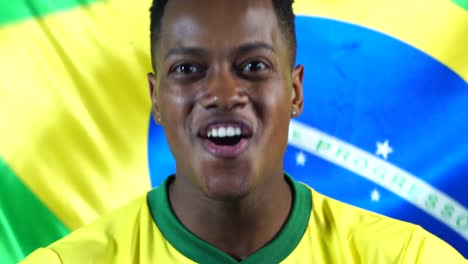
{"x":297,"y":96}
{"x":152,"y":82}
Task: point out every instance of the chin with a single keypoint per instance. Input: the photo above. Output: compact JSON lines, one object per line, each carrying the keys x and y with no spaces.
{"x":226,"y":185}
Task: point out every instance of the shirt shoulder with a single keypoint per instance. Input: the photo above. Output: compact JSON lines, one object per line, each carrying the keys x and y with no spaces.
{"x":423,"y":247}
{"x":342,"y":233}
{"x":101,"y":240}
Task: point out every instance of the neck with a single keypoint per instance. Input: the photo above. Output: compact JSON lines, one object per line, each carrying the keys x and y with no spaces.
{"x":238,"y":227}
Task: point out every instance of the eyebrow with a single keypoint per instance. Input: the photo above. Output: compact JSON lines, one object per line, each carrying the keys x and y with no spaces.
{"x":196,"y":51}
{"x":248,"y":47}
{"x":186,"y":51}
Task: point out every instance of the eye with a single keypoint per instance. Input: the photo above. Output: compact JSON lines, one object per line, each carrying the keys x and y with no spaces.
{"x":186,"y":68}
{"x":254,"y":66}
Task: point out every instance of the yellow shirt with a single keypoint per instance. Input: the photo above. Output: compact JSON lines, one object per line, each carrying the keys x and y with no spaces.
{"x":318,"y":230}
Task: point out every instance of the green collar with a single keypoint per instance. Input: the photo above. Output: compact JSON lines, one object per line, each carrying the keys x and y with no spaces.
{"x":202,"y":252}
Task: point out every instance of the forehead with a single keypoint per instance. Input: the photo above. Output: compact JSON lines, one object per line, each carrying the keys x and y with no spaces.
{"x":218,"y":23}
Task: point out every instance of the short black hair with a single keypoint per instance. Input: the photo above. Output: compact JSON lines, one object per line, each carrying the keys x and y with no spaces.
{"x":283,"y":9}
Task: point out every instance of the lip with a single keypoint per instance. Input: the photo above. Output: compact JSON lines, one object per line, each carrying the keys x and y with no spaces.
{"x":226,"y":151}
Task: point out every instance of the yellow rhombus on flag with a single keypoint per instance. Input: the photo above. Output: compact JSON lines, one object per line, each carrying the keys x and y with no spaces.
{"x":75,"y":108}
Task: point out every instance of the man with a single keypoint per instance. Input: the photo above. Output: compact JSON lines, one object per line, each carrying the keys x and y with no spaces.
{"x":224,"y":89}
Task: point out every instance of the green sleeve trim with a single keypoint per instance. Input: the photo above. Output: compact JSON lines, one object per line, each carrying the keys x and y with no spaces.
{"x":17,"y":10}
{"x":200,"y":251}
{"x":25,"y":222}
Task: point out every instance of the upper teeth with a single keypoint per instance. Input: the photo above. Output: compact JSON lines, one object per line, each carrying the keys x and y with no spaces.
{"x":228,"y":131}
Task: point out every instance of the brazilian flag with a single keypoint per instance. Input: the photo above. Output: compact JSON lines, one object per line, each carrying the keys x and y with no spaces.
{"x":384,"y":127}
{"x":74,"y":115}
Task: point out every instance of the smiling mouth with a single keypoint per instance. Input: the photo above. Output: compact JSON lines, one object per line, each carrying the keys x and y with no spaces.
{"x":226,"y":140}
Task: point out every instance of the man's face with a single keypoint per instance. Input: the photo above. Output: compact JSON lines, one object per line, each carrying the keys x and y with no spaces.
{"x":224,"y":90}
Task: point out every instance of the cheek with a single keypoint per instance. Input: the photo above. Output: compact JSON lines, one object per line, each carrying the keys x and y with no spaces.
{"x":278,"y":103}
{"x":274,"y":106}
{"x":174,"y":106}
{"x":175,"y":101}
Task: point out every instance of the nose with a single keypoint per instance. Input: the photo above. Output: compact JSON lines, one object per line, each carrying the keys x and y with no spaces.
{"x":224,"y":91}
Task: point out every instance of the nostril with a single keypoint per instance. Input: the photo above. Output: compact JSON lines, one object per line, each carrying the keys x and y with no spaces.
{"x":225,"y":101}
{"x":210,"y":101}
